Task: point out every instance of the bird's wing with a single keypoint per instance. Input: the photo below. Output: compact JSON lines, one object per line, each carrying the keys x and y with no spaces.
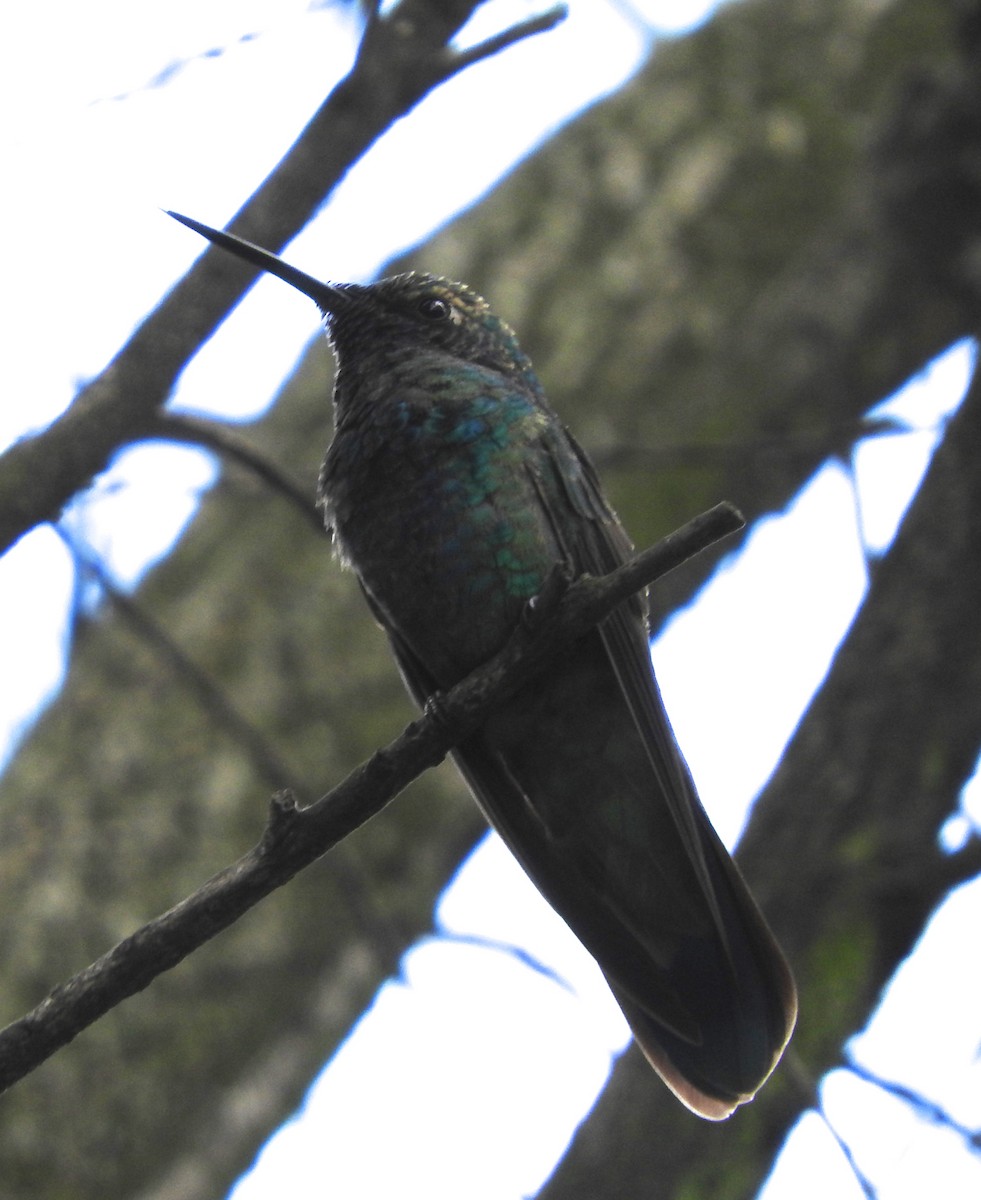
{"x":667,"y":916}
{"x":596,"y":544}
{"x":759,"y":974}
{"x":512,"y":813}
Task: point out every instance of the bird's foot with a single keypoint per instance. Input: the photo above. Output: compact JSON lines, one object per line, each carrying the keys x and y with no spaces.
{"x":436,"y":709}
{"x":541,"y":606}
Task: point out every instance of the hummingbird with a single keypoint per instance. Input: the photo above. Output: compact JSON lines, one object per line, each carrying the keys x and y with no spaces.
{"x":454,"y":492}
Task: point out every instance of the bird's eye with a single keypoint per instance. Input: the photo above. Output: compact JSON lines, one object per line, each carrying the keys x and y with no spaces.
{"x":434,"y":308}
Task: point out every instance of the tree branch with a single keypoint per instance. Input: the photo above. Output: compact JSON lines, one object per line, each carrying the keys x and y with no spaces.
{"x":188,"y":429}
{"x":266,"y":761}
{"x":381,"y":929}
{"x":922,"y":1105}
{"x":295,"y":837}
{"x":403,"y":56}
{"x":501,"y":41}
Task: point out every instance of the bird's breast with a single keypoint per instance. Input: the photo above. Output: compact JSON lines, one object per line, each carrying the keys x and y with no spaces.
{"x":436,"y":510}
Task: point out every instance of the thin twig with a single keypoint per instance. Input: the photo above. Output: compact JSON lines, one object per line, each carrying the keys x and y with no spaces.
{"x":295,"y":837}
{"x":404,"y":53}
{"x":501,"y":41}
{"x":193,"y":430}
{"x":381,"y":930}
{"x":928,"y":1109}
{"x":511,"y":949}
{"x":863,"y":1181}
{"x":267,"y":763}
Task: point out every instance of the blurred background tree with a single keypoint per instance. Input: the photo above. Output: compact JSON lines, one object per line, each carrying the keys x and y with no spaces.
{"x":718,"y":272}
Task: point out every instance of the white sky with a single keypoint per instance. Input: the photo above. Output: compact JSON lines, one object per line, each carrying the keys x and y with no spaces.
{"x":471,"y":1066}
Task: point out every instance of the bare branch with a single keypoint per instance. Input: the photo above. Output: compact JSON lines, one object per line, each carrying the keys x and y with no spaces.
{"x":191,"y":430}
{"x":295,"y":837}
{"x":501,"y":41}
{"x":863,"y":1181}
{"x":265,"y":759}
{"x":928,"y":1109}
{"x":404,"y":54}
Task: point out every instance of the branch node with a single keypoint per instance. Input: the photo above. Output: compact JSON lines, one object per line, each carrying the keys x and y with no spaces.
{"x":542,"y":605}
{"x":282,"y":818}
{"x":456,"y":62}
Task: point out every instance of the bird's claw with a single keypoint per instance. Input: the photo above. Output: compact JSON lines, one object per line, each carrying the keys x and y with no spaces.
{"x":435,"y":708}
{"x":544,"y":602}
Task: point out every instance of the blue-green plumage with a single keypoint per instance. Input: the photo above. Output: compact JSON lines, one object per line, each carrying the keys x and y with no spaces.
{"x":453,"y":489}
{"x":470,"y":541}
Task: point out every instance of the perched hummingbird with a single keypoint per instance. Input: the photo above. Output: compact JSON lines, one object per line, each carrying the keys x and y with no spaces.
{"x":453,"y":490}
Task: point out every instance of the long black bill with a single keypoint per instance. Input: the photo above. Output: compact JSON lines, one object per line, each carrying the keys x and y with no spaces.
{"x":327,"y":297}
